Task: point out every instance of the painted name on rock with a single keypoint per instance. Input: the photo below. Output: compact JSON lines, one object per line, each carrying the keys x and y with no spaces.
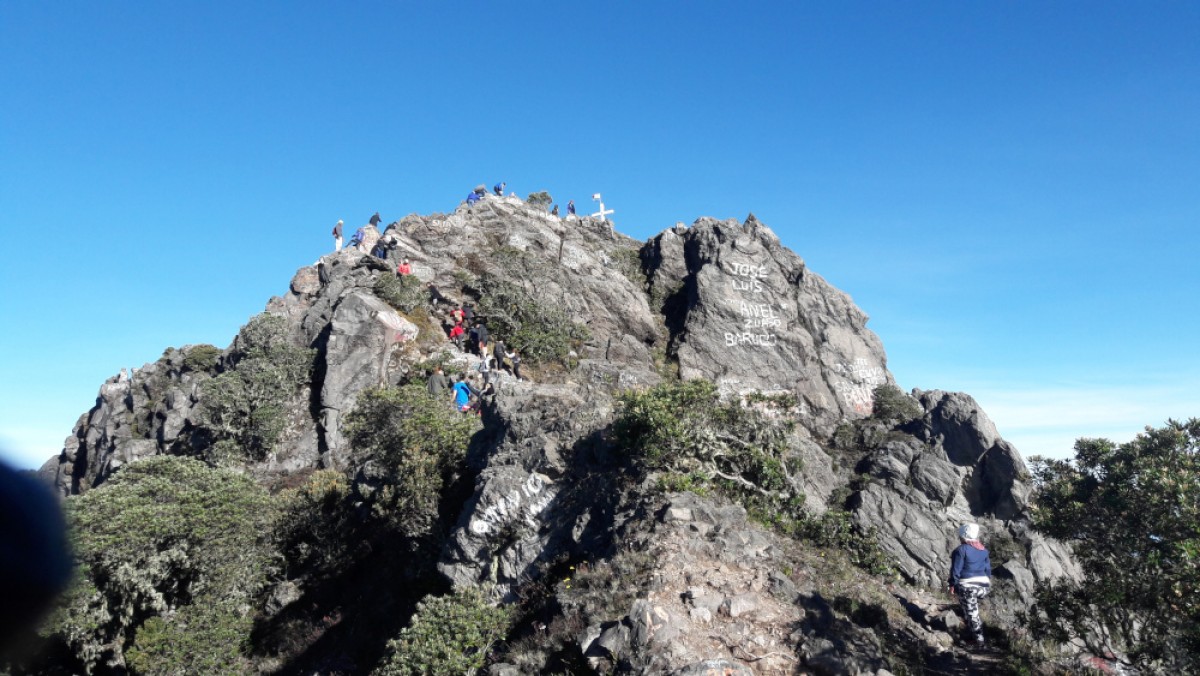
{"x":525,"y":502}
{"x":758,"y":319}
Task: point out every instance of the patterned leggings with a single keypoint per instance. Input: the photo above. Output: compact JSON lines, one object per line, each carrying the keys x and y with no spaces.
{"x":969,"y":594}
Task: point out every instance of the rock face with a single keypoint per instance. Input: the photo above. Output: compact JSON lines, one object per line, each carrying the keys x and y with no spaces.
{"x":747,"y":314}
{"x":722,"y":300}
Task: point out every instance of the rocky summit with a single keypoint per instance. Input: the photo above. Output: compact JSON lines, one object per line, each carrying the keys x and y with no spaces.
{"x":796,"y":517}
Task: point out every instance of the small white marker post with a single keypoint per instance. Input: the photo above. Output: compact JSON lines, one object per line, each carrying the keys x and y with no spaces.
{"x":602,"y":211}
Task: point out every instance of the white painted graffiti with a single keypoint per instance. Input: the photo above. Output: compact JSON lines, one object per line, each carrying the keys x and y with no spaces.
{"x":759,"y":320}
{"x":747,"y":277}
{"x":862,"y":371}
{"x":759,"y":316}
{"x":755,"y":339}
{"x":525,"y":502}
{"x":860,"y":397}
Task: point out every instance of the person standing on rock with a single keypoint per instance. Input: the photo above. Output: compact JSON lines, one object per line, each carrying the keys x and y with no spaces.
{"x":554,"y":211}
{"x":498,"y":352}
{"x":337,"y":236}
{"x":437,"y":383}
{"x":570,"y":207}
{"x":462,"y":394}
{"x":375,"y":220}
{"x":971,"y":577}
{"x":403,"y":269}
{"x":482,"y":338}
{"x":456,"y":335}
{"x":499,"y":188}
{"x":515,"y":358}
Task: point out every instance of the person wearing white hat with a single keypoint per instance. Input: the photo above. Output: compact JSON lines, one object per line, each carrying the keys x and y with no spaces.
{"x":971,"y":577}
{"x":337,"y":236}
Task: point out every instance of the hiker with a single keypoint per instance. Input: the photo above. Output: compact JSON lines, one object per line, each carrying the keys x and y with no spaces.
{"x":337,"y":236}
{"x":437,"y":383}
{"x":462,"y":394}
{"x":499,"y":189}
{"x":485,"y":370}
{"x":436,"y":299}
{"x":468,"y":313}
{"x":458,"y":314}
{"x":971,"y":577}
{"x":375,"y":220}
{"x":403,"y":269}
{"x":472,"y":198}
{"x":515,"y":358}
{"x":481,"y":337}
{"x":322,"y":272}
{"x":380,"y":250}
{"x":570,"y":207}
{"x":456,"y":335}
{"x":554,"y":211}
{"x":498,"y":353}
{"x":358,"y":237}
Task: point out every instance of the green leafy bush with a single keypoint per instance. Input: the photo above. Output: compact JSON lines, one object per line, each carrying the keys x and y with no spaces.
{"x":172,"y":538}
{"x":893,"y":404}
{"x":244,"y":408}
{"x":449,"y":636}
{"x":314,"y":521}
{"x":539,"y":329}
{"x":421,"y":442}
{"x":1132,"y":515}
{"x":404,"y":292}
{"x":202,"y":358}
{"x":540,"y":200}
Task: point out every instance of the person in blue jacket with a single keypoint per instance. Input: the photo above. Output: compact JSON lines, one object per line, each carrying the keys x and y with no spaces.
{"x":971,"y":577}
{"x":462,"y":394}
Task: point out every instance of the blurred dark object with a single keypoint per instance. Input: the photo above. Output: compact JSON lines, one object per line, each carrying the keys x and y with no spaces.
{"x":35,"y":560}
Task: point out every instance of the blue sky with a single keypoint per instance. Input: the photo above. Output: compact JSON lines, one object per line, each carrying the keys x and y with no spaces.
{"x":1010,"y":190}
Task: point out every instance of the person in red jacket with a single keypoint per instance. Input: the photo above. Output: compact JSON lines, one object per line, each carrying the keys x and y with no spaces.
{"x":457,"y":333}
{"x":404,"y":269}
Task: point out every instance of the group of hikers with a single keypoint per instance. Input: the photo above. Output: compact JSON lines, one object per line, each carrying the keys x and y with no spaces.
{"x":480,"y":192}
{"x":462,"y":326}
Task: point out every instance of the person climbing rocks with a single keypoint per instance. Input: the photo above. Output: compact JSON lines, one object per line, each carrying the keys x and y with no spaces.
{"x":337,"y":236}
{"x":380,"y":250}
{"x":570,"y":207}
{"x":498,"y":353}
{"x":482,"y":338}
{"x":472,"y":198}
{"x":971,"y":577}
{"x":485,"y":370}
{"x":437,"y":383}
{"x":436,"y":299}
{"x":499,"y":189}
{"x":515,"y":358}
{"x":554,"y":211}
{"x":403,"y":269}
{"x":456,"y":334}
{"x":458,"y":314}
{"x":468,"y":313}
{"x":358,"y":237}
{"x":375,"y":220}
{"x":462,"y":394}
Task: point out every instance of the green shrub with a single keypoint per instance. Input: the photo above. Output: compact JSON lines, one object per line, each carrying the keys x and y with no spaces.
{"x":837,"y":529}
{"x":449,"y":636}
{"x":539,"y":329}
{"x":244,"y":408}
{"x":314,"y":521}
{"x":172,"y":538}
{"x":420,"y":441}
{"x":539,"y":200}
{"x":893,"y":404}
{"x":404,"y":292}
{"x":1131,"y":513}
{"x":201,"y":358}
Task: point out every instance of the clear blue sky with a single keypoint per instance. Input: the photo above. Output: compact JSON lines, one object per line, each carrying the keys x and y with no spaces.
{"x":1010,"y":190}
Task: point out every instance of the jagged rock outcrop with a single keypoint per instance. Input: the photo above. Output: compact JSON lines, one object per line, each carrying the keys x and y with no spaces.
{"x":746,"y":313}
{"x":721,"y":300}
